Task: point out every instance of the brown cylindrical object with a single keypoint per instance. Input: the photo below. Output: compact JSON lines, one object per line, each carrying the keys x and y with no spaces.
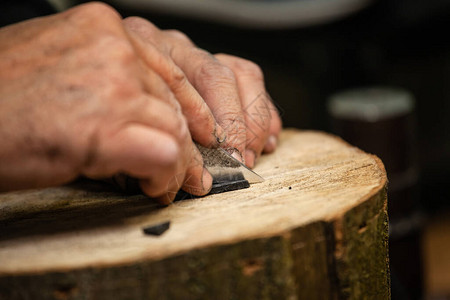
{"x":381,"y":120}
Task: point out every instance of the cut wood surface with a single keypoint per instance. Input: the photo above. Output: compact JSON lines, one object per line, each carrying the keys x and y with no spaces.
{"x":316,"y":228}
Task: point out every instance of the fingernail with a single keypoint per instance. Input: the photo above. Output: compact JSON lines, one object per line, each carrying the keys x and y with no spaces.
{"x":220,"y":134}
{"x":271,"y":144}
{"x":237,"y":155}
{"x":206,"y":180}
{"x":250,"y":158}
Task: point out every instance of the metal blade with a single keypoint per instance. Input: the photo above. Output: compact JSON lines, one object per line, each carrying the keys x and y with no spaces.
{"x":225,"y":168}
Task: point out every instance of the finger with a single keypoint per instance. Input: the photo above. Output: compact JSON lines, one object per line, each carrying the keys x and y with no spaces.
{"x":152,"y":112}
{"x":274,"y":130}
{"x":120,"y":150}
{"x":140,"y":152}
{"x":196,"y":180}
{"x":193,"y":183}
{"x":217,"y":85}
{"x":258,"y":110}
{"x":201,"y":121}
{"x":190,"y":163}
{"x":170,"y":191}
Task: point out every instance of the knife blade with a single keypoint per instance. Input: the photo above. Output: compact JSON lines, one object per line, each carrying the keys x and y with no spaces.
{"x":228,"y":173}
{"x":225,"y":168}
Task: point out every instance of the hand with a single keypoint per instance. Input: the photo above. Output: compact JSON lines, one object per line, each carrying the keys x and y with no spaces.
{"x":79,"y":97}
{"x":232,"y":87}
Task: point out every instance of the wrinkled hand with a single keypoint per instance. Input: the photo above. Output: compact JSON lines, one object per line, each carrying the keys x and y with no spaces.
{"x":77,"y":97}
{"x":232,"y":87}
{"x":86,"y":93}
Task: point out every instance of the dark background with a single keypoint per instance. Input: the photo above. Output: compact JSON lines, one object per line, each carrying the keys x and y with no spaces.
{"x":402,"y":43}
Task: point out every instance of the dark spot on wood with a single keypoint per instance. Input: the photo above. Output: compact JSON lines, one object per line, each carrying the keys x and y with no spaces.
{"x":290,"y":187}
{"x":251,"y":266}
{"x":64,"y":292}
{"x":362,"y":227}
{"x":157,"y":229}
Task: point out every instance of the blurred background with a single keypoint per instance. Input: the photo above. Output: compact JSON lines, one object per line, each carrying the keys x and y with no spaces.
{"x":377,"y":73}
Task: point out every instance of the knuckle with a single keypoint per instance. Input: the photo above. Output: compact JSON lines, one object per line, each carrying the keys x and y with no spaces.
{"x":213,"y":71}
{"x":203,"y":115}
{"x":95,"y":11}
{"x":183,"y":134}
{"x":249,"y":68}
{"x":139,"y":23}
{"x":176,"y":77}
{"x":178,"y":35}
{"x":122,"y":51}
{"x":121,"y":78}
{"x":134,"y":20}
{"x":225,"y":72}
{"x":169,"y":97}
{"x":233,"y":124}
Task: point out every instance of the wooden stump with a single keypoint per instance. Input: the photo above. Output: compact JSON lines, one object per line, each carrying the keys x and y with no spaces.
{"x":317,"y":228}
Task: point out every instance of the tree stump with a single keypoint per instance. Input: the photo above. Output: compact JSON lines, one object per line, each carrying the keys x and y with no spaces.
{"x":316,"y":228}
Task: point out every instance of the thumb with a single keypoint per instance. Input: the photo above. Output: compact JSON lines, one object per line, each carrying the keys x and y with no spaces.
{"x":139,"y":151}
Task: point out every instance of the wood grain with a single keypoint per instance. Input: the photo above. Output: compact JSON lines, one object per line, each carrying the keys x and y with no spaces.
{"x":316,"y":228}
